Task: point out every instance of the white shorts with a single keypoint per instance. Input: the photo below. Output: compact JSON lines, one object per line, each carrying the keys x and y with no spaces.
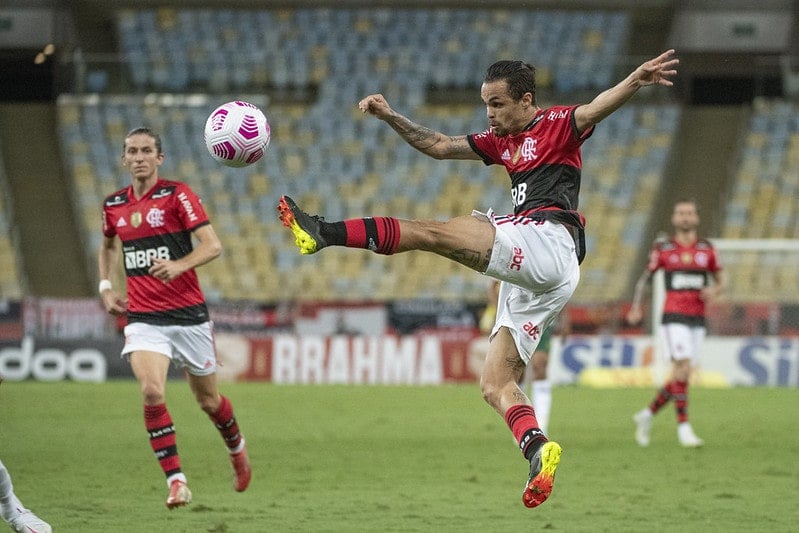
{"x":683,"y":341}
{"x":189,"y":347}
{"x":537,"y":264}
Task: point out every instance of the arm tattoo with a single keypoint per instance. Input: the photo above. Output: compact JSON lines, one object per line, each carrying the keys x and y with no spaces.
{"x":472,"y":258}
{"x":520,"y":398}
{"x":418,"y":136}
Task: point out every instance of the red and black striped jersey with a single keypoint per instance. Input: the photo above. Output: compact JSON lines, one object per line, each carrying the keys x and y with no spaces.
{"x":687,"y":271}
{"x":159,"y":224}
{"x":543,"y":160}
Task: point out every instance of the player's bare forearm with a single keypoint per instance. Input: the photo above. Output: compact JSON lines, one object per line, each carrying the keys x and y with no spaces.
{"x":430,"y":142}
{"x":639,"y":289}
{"x":107,"y":257}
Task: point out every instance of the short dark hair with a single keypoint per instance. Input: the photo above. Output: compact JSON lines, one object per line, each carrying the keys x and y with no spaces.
{"x":687,"y":200}
{"x":519,"y":75}
{"x":142,"y":130}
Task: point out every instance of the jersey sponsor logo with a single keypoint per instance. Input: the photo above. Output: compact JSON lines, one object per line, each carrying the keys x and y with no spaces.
{"x":556,"y":115}
{"x":144,"y":258}
{"x":184,"y":200}
{"x":119,"y":199}
{"x":135,"y":219}
{"x":687,"y":281}
{"x":532,"y":330}
{"x":517,"y":259}
{"x":162,"y":193}
{"x":518,"y":194}
{"x":121,"y":222}
{"x":155,"y":217}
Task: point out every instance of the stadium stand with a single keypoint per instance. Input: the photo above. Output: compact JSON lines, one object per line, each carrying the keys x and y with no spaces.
{"x":762,"y":202}
{"x":337,"y":163}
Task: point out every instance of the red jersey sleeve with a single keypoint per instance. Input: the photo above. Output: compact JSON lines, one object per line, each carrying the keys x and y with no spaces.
{"x":189,"y":208}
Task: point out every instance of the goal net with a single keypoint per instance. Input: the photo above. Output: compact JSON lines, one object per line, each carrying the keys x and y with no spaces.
{"x":762,"y":293}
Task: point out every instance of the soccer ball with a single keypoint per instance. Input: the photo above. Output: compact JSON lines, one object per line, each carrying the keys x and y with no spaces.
{"x":237,"y":133}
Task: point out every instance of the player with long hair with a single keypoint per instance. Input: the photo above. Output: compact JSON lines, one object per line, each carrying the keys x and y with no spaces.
{"x":151,"y":222}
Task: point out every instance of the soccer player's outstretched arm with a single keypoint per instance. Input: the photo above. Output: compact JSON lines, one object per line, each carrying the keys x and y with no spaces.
{"x":432,"y":143}
{"x":657,"y":71}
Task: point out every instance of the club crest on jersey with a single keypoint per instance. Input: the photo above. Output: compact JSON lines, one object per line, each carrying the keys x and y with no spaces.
{"x":135,"y":219}
{"x":526,"y":151}
{"x":155,"y":217}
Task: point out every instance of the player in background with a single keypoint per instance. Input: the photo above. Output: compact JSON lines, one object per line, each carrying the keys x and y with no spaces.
{"x":151,"y":223}
{"x":11,"y":509}
{"x":535,"y":251}
{"x":689,"y":264}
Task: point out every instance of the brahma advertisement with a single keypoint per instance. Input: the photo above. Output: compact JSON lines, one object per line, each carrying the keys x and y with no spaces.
{"x":399,"y":343}
{"x":423,"y":358}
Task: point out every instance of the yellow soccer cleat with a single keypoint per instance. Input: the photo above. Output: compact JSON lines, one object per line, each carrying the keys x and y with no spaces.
{"x":306,"y":228}
{"x":542,"y":474}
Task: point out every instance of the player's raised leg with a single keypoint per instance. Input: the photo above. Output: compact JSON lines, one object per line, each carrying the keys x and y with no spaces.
{"x":465,"y":239}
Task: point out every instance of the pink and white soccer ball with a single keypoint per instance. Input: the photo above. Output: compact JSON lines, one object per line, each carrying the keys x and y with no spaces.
{"x":237,"y":133}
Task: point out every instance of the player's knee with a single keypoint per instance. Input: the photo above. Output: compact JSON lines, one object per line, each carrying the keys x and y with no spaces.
{"x":489,"y":392}
{"x":208,"y":403}
{"x":492,"y":393}
{"x":152,"y":394}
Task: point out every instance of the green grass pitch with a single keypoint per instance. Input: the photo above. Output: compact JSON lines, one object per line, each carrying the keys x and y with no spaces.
{"x":331,"y":458}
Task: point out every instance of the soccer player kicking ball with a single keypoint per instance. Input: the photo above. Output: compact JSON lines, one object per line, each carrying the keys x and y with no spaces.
{"x":534,"y":252}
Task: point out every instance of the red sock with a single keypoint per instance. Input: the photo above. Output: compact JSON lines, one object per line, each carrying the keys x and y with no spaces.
{"x":522,"y":422}
{"x":162,"y":438}
{"x":662,"y":398}
{"x":226,"y":424}
{"x":379,"y":234}
{"x":679,"y":391}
